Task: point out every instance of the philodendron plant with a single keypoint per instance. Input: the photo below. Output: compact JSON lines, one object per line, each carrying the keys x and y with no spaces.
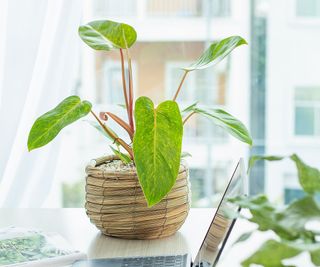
{"x":155,"y":132}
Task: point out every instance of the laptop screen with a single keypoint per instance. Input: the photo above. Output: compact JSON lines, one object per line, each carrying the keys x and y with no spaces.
{"x":222,"y":222}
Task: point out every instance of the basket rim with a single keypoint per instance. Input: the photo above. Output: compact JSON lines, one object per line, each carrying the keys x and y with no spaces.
{"x":92,"y":166}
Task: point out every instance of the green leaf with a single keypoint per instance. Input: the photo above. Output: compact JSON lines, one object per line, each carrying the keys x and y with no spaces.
{"x":122,"y":106}
{"x":312,"y":248}
{"x":157,"y":147}
{"x":243,"y":237}
{"x":107,"y":35}
{"x":189,"y":108}
{"x":185,"y":155}
{"x":298,"y":213}
{"x":229,"y":123}
{"x":97,"y":126}
{"x":253,"y":159}
{"x":47,"y":126}
{"x":288,"y":223}
{"x":309,"y":177}
{"x":264,"y":214}
{"x":125,"y":158}
{"x":271,"y":254}
{"x":315,"y":257}
{"x":216,"y":52}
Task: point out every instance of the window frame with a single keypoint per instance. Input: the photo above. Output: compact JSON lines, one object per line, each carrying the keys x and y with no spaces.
{"x":169,"y":92}
{"x":110,"y":64}
{"x":309,"y":140}
{"x":300,"y":20}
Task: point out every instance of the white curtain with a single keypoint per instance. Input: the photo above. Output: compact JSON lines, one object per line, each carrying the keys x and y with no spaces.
{"x":39,"y":66}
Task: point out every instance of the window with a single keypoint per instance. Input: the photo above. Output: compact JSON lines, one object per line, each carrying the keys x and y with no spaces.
{"x":115,"y":8}
{"x":111,"y":89}
{"x":171,"y":34}
{"x":221,"y":8}
{"x":292,"y":190}
{"x":178,"y":8}
{"x":206,"y":186}
{"x":197,"y":184}
{"x":208,"y":87}
{"x":308,"y":8}
{"x":292,"y":194}
{"x":207,"y":130}
{"x":307,"y":111}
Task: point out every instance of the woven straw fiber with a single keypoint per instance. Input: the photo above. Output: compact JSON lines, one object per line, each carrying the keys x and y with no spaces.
{"x":116,"y":205}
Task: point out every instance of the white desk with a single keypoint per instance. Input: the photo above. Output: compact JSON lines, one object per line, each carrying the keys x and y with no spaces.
{"x":75,"y":226}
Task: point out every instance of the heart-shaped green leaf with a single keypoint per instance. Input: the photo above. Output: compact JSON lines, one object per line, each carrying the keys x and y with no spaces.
{"x":225,"y":120}
{"x":47,"y":126}
{"x":309,"y":177}
{"x":107,"y":35}
{"x":157,"y":147}
{"x":216,"y":52}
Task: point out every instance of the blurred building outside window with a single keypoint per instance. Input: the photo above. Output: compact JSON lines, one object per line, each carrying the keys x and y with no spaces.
{"x":307,"y":111}
{"x":291,"y":187}
{"x":162,"y":8}
{"x":308,"y":8}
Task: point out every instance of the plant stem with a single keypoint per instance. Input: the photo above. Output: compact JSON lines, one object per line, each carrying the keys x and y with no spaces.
{"x":130,"y":90}
{"x":122,"y":123}
{"x":180,"y":85}
{"x":124,"y":86}
{"x":188,"y":117}
{"x":115,"y":138}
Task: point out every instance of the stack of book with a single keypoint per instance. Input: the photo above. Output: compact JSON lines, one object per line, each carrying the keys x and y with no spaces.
{"x":32,"y":248}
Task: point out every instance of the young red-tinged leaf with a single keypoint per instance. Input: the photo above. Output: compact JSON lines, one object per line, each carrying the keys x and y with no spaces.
{"x":122,"y":123}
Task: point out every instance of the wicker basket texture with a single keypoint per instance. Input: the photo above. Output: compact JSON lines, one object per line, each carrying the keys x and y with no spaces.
{"x":116,"y":205}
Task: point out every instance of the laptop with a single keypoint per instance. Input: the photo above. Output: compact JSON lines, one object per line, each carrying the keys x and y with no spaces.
{"x":212,"y":244}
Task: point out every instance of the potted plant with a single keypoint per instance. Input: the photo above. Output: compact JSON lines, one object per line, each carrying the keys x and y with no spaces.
{"x":142,"y":190}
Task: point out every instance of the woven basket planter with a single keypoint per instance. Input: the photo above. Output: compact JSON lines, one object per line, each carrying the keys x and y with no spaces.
{"x":116,"y":205}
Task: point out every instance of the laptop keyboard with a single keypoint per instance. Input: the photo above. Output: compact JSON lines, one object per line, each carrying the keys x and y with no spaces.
{"x":161,"y":261}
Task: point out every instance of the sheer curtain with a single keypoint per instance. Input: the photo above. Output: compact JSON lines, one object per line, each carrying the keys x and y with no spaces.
{"x":39,"y":66}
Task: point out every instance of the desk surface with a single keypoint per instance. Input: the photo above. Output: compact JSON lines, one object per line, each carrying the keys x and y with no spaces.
{"x":75,"y":226}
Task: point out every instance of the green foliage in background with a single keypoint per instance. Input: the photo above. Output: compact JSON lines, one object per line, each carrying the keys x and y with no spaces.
{"x":288,"y":223}
{"x":155,"y":132}
{"x":73,"y":194}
